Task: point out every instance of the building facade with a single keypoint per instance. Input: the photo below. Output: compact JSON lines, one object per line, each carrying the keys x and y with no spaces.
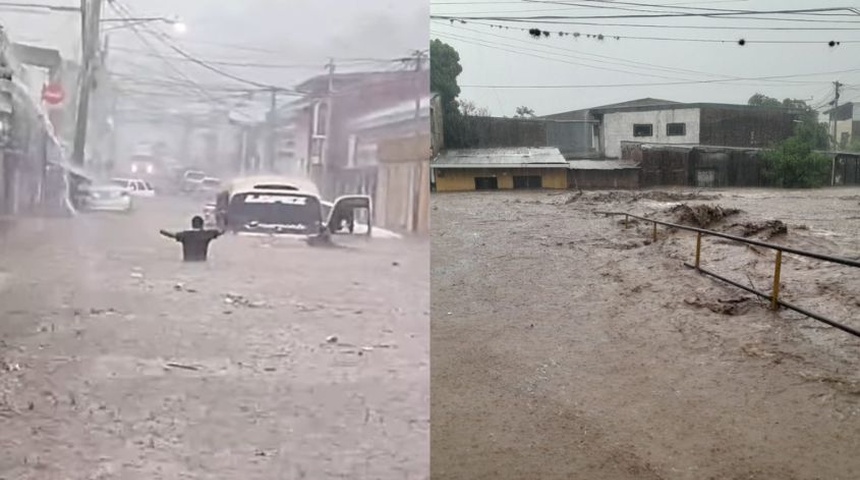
{"x":500,"y":169}
{"x":664,"y":122}
{"x":336,"y":153}
{"x":726,"y":125}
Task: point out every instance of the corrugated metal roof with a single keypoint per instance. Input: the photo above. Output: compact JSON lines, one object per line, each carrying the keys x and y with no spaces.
{"x":601,"y":165}
{"x":501,"y":157}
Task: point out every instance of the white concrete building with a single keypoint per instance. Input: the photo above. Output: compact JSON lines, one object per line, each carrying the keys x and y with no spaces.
{"x":677,"y":125}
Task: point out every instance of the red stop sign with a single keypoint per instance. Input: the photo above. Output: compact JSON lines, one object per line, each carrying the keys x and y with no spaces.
{"x":53,"y":94}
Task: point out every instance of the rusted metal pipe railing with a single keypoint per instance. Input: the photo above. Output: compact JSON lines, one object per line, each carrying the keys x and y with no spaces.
{"x":775,"y":301}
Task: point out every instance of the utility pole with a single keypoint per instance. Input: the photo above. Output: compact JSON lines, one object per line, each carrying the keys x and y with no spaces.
{"x":273,"y":128}
{"x":91,"y":16}
{"x":833,"y":117}
{"x":326,"y":148}
{"x":419,"y":59}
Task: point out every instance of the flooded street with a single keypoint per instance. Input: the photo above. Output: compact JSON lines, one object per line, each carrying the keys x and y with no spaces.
{"x":272,"y":360}
{"x":566,"y":346}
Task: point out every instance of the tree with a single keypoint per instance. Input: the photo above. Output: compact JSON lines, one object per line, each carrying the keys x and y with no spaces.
{"x":444,"y":69}
{"x":525,"y":112}
{"x":794,"y":164}
{"x":469,"y":109}
{"x":762,"y":100}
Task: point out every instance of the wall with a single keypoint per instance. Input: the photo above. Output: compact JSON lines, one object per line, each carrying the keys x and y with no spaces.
{"x":745,"y":127}
{"x":847,"y":169}
{"x":673,"y":166}
{"x":403,"y":185}
{"x":459,"y":180}
{"x":665,"y":167}
{"x":618,"y":127}
{"x":494,"y":132}
{"x":573,"y":138}
{"x":626,"y":179}
{"x":731,"y":168}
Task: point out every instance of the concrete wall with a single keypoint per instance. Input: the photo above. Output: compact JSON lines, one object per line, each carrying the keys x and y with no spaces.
{"x":494,"y":132}
{"x":461,"y":180}
{"x":745,"y":127}
{"x":728,"y":168}
{"x":623,"y":179}
{"x":573,"y":138}
{"x":665,"y":167}
{"x":618,"y":127}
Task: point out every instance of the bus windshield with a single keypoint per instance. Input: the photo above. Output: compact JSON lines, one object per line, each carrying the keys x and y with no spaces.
{"x":286,"y":212}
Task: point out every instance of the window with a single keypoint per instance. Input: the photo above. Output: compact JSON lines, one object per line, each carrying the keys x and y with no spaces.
{"x":320,"y":114}
{"x":676,"y":129}
{"x":643,"y":130}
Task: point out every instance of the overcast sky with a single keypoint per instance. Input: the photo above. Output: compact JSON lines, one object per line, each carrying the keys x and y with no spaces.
{"x":494,"y":57}
{"x":292,"y":39}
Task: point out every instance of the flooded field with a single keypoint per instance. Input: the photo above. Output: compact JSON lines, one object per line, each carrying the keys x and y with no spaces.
{"x":565,"y":345}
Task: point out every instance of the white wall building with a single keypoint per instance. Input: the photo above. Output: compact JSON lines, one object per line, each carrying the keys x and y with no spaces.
{"x":680,"y":126}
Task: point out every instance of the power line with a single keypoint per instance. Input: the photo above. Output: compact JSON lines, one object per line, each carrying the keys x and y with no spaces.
{"x":707,"y":12}
{"x":192,"y":85}
{"x":732,"y":15}
{"x":634,"y":64}
{"x":691,"y":27}
{"x":732,"y":81}
{"x":527,"y":53}
{"x":539,"y":33}
{"x":161,"y":37}
{"x":690,"y":82}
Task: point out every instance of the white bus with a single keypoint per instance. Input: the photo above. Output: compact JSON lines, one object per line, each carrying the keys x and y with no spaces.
{"x":284,"y":206}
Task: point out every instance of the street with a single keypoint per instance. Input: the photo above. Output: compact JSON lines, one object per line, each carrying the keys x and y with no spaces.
{"x":272,"y":360}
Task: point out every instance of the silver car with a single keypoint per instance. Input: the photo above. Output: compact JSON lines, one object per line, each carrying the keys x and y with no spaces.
{"x":106,"y":198}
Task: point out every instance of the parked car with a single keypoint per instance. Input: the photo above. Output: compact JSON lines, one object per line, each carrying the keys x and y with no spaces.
{"x":135,"y":187}
{"x":209,"y":186}
{"x":106,"y":198}
{"x":192,"y":180}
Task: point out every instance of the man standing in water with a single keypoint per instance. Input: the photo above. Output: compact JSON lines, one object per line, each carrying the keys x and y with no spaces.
{"x":195,"y":242}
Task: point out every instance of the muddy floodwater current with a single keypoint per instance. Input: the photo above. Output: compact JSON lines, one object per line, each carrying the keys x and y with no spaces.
{"x":565,"y":345}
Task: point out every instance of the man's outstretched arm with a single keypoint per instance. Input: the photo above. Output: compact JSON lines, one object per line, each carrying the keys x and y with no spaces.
{"x":168,"y":234}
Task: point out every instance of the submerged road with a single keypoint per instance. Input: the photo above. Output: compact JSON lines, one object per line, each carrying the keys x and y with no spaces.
{"x":272,"y":360}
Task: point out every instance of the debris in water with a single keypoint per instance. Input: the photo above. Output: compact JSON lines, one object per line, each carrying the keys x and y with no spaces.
{"x":767,"y":229}
{"x":701,"y":216}
{"x":239,"y":300}
{"x":137,"y":275}
{"x":184,"y":367}
{"x":180,"y":287}
{"x":732,"y":306}
{"x":331,"y":339}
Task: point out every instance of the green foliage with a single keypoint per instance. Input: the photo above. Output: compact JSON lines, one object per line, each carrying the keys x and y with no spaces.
{"x":525,"y":112}
{"x":807,"y":112}
{"x":795,"y":164}
{"x":444,"y":69}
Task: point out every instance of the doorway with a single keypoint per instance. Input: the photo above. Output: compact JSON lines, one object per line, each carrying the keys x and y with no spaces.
{"x":528,"y":182}
{"x":486,"y":183}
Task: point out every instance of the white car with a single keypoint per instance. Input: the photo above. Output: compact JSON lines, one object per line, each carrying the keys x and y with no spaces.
{"x":192,"y":180}
{"x":106,"y":198}
{"x":135,"y":187}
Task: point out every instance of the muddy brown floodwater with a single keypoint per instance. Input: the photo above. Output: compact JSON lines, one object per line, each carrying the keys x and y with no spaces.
{"x":273,"y":360}
{"x":566,"y":346}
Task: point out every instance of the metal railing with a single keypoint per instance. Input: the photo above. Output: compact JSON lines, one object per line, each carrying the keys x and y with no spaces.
{"x":775,"y":301}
